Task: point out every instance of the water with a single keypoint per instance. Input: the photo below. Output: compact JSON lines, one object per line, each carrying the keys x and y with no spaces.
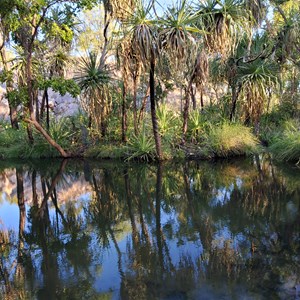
{"x":194,"y":230}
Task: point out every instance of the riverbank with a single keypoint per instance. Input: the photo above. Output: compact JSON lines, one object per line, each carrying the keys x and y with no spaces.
{"x":204,"y":140}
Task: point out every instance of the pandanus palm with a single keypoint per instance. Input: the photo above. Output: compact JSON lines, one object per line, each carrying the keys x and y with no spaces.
{"x":94,"y":80}
{"x":179,"y":38}
{"x":223,"y":23}
{"x":131,"y":66}
{"x":178,"y":31}
{"x":255,"y":79}
{"x":144,"y":38}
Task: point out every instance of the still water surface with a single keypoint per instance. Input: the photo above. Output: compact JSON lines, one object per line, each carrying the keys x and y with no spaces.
{"x":194,"y":230}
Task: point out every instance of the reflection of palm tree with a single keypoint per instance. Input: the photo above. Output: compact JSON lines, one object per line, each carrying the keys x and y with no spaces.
{"x":158,"y":216}
{"x":128,"y":196}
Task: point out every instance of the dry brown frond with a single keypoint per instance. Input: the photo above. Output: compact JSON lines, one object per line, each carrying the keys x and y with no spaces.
{"x":201,"y":72}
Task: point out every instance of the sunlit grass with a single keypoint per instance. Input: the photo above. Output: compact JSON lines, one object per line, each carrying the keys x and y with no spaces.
{"x":286,"y":146}
{"x":231,"y":139}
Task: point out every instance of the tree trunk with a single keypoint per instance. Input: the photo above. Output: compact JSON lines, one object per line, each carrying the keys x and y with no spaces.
{"x":43,"y":103}
{"x":124,"y":114}
{"x":143,"y":107}
{"x":31,"y":101}
{"x":186,"y":112}
{"x":153,"y":110}
{"x":201,"y":99}
{"x":193,"y":95}
{"x":30,"y":134}
{"x":9,"y":88}
{"x":135,"y":104}
{"x":47,"y":111}
{"x":48,"y":138}
{"x":37,"y":110}
{"x":235,"y":94}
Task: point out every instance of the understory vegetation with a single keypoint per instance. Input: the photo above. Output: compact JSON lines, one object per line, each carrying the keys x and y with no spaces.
{"x":196,"y":79}
{"x":205,"y":140}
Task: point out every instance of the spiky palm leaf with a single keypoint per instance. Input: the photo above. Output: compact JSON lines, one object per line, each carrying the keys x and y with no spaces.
{"x":140,"y":28}
{"x":59,"y":61}
{"x":255,"y":78}
{"x":178,"y":29}
{"x":94,"y":80}
{"x":19,"y":65}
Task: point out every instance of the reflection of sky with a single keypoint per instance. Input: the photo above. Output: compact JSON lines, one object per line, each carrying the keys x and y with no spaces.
{"x":184,"y":246}
{"x":110,"y":279}
{"x":223,"y":195}
{"x":9,"y":214}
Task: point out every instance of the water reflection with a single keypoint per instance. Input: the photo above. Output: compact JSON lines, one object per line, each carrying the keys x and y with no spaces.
{"x":87,"y":230}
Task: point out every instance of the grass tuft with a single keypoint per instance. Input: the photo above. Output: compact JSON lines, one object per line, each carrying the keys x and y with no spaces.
{"x":286,"y":147}
{"x":231,"y":139}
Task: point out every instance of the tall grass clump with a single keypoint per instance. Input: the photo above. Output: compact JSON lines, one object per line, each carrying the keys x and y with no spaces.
{"x":286,"y":146}
{"x":231,"y":139}
{"x":273,"y":123}
{"x":13,"y":143}
{"x":169,"y":124}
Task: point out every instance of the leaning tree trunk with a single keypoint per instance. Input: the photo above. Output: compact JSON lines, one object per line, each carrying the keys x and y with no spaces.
{"x":9,"y":88}
{"x":31,"y":94}
{"x":153,"y":110}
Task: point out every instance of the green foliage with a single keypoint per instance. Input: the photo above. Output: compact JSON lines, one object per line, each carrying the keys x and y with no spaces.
{"x":13,"y":143}
{"x":286,"y":146}
{"x":18,"y":96}
{"x":274,"y":123}
{"x":200,"y":122}
{"x":114,"y":130}
{"x":92,"y":75}
{"x":63,"y":132}
{"x":62,"y":31}
{"x":61,"y":85}
{"x":106,"y":151}
{"x":6,"y":76}
{"x":141,"y":146}
{"x":169,"y":124}
{"x":259,"y":73}
{"x":231,"y":139}
{"x":197,"y":125}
